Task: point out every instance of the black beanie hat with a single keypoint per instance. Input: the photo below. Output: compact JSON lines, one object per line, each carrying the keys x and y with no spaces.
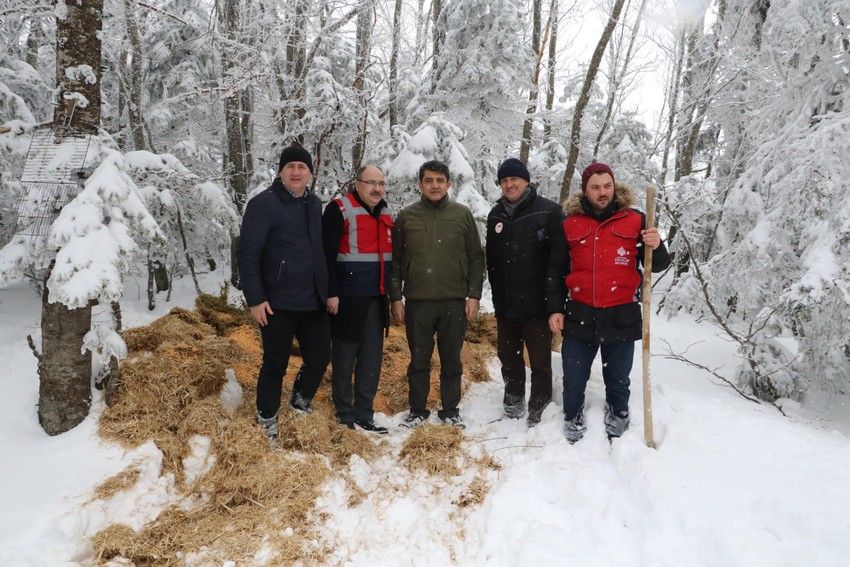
{"x":593,"y":169}
{"x":295,"y":153}
{"x":512,"y":167}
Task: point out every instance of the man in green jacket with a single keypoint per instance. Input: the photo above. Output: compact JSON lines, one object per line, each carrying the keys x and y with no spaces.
{"x":438,"y":266}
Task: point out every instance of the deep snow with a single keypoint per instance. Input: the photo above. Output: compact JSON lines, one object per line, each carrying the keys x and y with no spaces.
{"x":731,"y":482}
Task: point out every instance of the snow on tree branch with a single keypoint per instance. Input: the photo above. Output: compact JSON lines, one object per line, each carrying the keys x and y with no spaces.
{"x":96,"y":235}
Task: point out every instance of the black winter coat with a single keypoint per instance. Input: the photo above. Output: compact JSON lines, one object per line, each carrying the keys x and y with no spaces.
{"x":280,"y":254}
{"x":517,"y":250}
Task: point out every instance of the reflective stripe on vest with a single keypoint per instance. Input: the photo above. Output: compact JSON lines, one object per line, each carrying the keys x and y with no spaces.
{"x":366,"y":240}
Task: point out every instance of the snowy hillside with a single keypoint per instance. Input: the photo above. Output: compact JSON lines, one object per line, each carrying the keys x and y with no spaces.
{"x":730,"y":483}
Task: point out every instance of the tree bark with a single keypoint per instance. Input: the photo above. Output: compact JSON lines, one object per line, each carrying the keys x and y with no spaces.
{"x":237,"y":157}
{"x":65,"y":372}
{"x":134,"y":106}
{"x":438,"y":37}
{"x":584,"y":97}
{"x":34,"y":40}
{"x":550,"y":71}
{"x":394,"y":64}
{"x":78,"y":48}
{"x":294,"y":84}
{"x":361,"y":63}
{"x":525,"y":143}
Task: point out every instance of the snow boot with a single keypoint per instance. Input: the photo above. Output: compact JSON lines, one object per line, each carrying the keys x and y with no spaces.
{"x":514,"y":406}
{"x":574,"y":429}
{"x":616,"y":423}
{"x":269,"y":426}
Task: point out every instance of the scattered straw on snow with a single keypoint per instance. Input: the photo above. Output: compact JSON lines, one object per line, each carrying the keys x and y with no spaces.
{"x":434,"y":449}
{"x":253,"y":503}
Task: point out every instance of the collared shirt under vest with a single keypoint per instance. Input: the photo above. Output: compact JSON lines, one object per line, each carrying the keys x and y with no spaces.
{"x":364,"y":257}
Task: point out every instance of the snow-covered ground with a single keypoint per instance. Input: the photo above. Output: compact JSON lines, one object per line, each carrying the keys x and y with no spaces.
{"x":730,"y":483}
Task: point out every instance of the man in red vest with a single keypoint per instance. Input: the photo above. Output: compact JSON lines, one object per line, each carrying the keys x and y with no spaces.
{"x":357,"y":233}
{"x":593,"y":293}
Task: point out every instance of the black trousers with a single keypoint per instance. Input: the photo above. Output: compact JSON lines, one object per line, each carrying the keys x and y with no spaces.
{"x":535,"y":336}
{"x":447,"y":320}
{"x":312,"y":330}
{"x":362,"y":358}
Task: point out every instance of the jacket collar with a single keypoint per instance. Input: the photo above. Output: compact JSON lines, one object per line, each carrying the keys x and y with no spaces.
{"x":284,"y":193}
{"x":524,"y":201}
{"x":435,"y":206}
{"x":624,"y":198}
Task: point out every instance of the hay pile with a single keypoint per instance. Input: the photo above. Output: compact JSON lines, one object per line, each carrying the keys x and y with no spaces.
{"x":252,"y":499}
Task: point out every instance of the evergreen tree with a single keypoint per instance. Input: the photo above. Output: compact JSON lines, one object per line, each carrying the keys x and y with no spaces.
{"x":779,"y":210}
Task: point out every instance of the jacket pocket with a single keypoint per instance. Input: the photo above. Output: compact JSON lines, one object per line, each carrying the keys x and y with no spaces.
{"x":281,"y":272}
{"x":577,"y":235}
{"x":627,"y":233}
{"x":464,"y":276}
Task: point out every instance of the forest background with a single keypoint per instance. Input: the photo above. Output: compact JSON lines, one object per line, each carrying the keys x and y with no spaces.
{"x":186,"y":105}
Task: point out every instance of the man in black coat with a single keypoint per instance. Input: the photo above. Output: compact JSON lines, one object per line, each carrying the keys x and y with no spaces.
{"x":519,"y":231}
{"x":285,"y":281}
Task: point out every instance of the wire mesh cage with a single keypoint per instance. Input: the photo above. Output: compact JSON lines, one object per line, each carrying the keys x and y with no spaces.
{"x":52,"y":177}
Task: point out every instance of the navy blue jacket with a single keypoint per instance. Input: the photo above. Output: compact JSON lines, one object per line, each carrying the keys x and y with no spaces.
{"x":518,"y":253}
{"x":280,"y":256}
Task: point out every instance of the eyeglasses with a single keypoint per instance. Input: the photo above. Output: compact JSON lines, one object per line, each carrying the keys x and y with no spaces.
{"x":372,"y":183}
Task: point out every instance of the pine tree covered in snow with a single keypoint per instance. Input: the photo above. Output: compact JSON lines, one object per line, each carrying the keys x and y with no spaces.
{"x":776,"y":261}
{"x":436,"y":139}
{"x":180,"y":103}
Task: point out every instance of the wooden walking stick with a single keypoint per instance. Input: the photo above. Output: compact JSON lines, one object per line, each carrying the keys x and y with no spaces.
{"x":646,"y":295}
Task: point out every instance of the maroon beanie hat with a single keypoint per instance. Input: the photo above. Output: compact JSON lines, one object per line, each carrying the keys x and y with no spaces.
{"x":593,"y":169}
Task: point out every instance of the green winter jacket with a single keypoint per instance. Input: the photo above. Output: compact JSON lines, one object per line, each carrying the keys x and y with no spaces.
{"x":437,"y":253}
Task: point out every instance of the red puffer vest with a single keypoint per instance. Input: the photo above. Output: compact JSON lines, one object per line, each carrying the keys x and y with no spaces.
{"x":365,"y":253}
{"x":603,"y":258}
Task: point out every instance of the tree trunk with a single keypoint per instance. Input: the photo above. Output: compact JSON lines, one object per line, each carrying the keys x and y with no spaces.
{"x":361,"y":63}
{"x":78,"y":47}
{"x":293,"y":83}
{"x":65,"y":372}
{"x":64,"y":393}
{"x":584,"y":97}
{"x":237,"y":127}
{"x":438,"y":37}
{"x":553,"y":61}
{"x":35,"y":38}
{"x":531,"y":110}
{"x":134,"y":106}
{"x":394,"y":64}
{"x":150,"y":288}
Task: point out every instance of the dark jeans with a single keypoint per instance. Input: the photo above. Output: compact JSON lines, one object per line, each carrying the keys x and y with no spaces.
{"x":617,"y":361}
{"x":535,"y":336}
{"x":447,"y":319}
{"x":363,"y":359}
{"x":312,"y":330}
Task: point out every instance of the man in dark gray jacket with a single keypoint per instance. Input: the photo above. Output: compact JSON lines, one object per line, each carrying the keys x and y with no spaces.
{"x":438,"y":266}
{"x":285,"y":281}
